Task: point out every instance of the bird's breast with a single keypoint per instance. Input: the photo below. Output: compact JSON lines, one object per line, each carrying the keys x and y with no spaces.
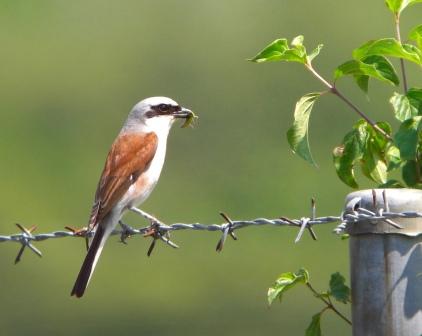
{"x":139,"y":191}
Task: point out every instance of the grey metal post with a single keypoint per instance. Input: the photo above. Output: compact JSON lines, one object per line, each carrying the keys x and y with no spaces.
{"x":386,"y":266}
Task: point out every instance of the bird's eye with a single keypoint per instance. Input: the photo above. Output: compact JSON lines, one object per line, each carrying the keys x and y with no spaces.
{"x":163,"y":107}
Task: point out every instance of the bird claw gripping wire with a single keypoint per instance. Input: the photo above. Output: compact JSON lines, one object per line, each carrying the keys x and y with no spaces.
{"x":126,"y":232}
{"x":83,"y":232}
{"x":227,"y":229}
{"x":157,"y":231}
{"x":25,"y":239}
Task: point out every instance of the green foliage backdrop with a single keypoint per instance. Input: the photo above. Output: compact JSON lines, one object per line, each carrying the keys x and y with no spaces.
{"x":71,"y":71}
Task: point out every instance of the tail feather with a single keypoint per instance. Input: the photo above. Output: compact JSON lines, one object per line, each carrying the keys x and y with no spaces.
{"x":90,"y":261}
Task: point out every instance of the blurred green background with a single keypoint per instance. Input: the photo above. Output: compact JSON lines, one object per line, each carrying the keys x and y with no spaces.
{"x":71,"y":71}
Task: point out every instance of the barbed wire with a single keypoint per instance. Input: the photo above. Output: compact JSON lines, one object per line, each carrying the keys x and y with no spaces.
{"x":160,"y":231}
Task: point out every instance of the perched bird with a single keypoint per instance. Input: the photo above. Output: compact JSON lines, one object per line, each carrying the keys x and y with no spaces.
{"x":131,"y":172}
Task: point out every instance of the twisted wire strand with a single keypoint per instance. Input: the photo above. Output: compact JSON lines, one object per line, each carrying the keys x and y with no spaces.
{"x":161,"y":231}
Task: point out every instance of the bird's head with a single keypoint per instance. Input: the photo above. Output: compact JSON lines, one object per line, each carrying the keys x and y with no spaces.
{"x":157,"y":114}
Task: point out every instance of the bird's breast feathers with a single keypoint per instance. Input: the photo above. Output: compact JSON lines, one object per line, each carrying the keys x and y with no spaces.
{"x":131,"y":171}
{"x":143,"y":186}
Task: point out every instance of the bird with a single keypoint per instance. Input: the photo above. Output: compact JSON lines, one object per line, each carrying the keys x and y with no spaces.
{"x":131,"y":171}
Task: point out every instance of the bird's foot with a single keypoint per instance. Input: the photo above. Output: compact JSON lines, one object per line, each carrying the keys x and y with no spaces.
{"x":146,"y":215}
{"x":156,"y":230}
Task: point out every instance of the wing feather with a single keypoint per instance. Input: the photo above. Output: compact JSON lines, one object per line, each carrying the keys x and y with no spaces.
{"x":129,"y":156}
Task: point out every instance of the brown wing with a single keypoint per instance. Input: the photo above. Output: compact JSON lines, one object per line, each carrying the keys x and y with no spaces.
{"x":129,"y":156}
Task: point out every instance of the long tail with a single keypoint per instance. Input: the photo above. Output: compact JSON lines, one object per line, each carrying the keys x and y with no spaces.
{"x":91,"y":259}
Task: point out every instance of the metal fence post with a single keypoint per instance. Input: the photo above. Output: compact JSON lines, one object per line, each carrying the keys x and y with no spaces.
{"x":386,"y":266}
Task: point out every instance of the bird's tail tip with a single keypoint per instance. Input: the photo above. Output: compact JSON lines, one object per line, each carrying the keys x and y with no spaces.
{"x":89,"y":263}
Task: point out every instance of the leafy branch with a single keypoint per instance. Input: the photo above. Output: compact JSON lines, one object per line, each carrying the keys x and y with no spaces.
{"x":370,"y":145}
{"x":396,"y":7}
{"x":337,"y":291}
{"x":334,"y":90}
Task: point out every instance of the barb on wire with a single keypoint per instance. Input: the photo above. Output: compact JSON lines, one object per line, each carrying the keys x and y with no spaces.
{"x":25,"y":239}
{"x":387,"y":208}
{"x":313,"y":215}
{"x":155,"y":230}
{"x":228,"y":230}
{"x":305,"y":223}
{"x":80,"y":232}
{"x":160,"y":231}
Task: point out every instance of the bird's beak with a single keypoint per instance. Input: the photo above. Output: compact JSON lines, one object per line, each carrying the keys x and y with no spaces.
{"x":183,"y":113}
{"x":186,"y":114}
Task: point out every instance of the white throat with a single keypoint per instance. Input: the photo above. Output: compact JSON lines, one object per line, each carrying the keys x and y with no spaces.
{"x":160,"y":127}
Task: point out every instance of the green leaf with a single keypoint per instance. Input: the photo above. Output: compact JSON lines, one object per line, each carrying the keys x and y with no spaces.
{"x":411,"y":173}
{"x":407,"y":138}
{"x":383,"y":68}
{"x":297,"y":41}
{"x":391,"y":184}
{"x":364,"y":147}
{"x":279,"y":50}
{"x":297,"y":44}
{"x":362,"y":82}
{"x":344,"y":167}
{"x":286,"y":281}
{"x":338,"y":288}
{"x":272,"y":52}
{"x":408,"y":105}
{"x":415,"y":98}
{"x":388,"y":47}
{"x":375,"y":66}
{"x":314,"y":328}
{"x":373,"y":166}
{"x":314,"y":53}
{"x":350,"y":152}
{"x":397,"y":6}
{"x":394,"y":5}
{"x":297,"y":135}
{"x":402,"y":108}
{"x":416,"y":35}
{"x":349,"y":68}
{"x":392,"y":155}
{"x":378,"y":139}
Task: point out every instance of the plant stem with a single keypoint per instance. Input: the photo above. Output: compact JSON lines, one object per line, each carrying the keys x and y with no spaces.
{"x":398,"y":35}
{"x":328,"y":303}
{"x":336,"y":92}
